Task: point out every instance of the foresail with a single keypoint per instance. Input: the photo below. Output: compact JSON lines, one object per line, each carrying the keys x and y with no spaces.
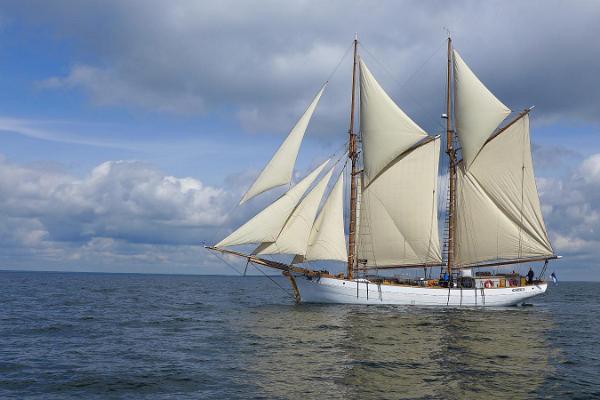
{"x":294,"y":236}
{"x":267,"y":224}
{"x":279,"y":170}
{"x":498,"y":209}
{"x":477,"y":111}
{"x":398,"y":212}
{"x":385,"y":129}
{"x":327,"y":240}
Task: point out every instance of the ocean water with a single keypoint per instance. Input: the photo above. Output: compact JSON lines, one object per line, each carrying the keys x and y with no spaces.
{"x":113,"y":336}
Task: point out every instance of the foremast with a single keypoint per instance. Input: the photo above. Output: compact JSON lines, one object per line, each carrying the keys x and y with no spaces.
{"x":353,"y":156}
{"x":451,"y":165}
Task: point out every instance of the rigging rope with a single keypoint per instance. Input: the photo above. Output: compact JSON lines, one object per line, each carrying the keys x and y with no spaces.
{"x":273,"y":280}
{"x":244,"y":274}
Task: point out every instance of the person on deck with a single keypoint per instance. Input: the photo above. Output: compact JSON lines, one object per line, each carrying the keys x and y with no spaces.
{"x":530,"y":276}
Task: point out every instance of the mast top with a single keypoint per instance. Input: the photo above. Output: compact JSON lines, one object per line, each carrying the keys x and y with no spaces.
{"x":448,"y":33}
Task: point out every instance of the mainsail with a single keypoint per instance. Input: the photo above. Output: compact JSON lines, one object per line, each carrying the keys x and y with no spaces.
{"x":398,"y":201}
{"x":499,"y":215}
{"x":385,"y":129}
{"x":398,"y":212}
{"x":478,"y":111}
{"x":279,"y":170}
{"x":294,"y":236}
{"x":267,"y":224}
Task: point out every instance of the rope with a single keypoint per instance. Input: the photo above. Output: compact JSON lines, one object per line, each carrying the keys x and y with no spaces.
{"x":273,"y":280}
{"x":522,"y":200}
{"x":340,"y":62}
{"x":256,"y":266}
{"x":226,"y":262}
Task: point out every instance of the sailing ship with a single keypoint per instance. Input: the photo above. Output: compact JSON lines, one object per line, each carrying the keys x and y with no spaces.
{"x":493,"y":216}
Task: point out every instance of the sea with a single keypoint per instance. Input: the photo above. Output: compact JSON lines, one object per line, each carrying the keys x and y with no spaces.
{"x":137,"y":336}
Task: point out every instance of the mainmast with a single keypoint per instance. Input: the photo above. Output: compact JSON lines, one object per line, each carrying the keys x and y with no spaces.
{"x":452,"y":165}
{"x":353,"y":155}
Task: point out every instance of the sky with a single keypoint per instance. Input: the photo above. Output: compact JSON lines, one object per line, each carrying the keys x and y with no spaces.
{"x":129,"y":130}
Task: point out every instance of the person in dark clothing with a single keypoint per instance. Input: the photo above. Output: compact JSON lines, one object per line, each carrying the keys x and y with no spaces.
{"x":530,"y":276}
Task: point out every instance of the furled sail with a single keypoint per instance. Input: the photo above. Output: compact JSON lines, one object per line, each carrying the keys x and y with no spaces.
{"x":294,"y":236}
{"x":279,"y":170}
{"x":398,"y":212}
{"x":385,"y":129}
{"x":477,"y":111}
{"x":327,"y":240}
{"x":267,"y":224}
{"x":498,"y":208}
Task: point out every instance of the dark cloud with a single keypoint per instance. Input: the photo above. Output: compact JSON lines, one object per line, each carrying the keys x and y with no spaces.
{"x":263,"y":61}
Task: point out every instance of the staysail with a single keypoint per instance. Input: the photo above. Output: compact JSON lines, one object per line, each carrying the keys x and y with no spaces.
{"x":294,"y":236}
{"x":267,"y":224}
{"x":327,"y":240}
{"x":498,"y":209}
{"x":279,"y":170}
{"x":398,"y":212}
{"x":477,"y":111}
{"x":385,"y":129}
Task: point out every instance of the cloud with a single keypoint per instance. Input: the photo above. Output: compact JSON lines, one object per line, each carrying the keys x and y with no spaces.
{"x":106,"y":87}
{"x":571,"y":207}
{"x":262,"y":61}
{"x":127,"y":209}
{"x":40,"y":130}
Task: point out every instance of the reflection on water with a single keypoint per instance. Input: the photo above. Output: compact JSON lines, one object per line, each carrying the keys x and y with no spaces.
{"x":393,"y":352}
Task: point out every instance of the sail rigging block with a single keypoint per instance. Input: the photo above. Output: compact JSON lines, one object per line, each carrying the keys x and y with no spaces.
{"x":398,"y":211}
{"x":279,"y":170}
{"x":386,"y":130}
{"x":498,"y":209}
{"x":477,"y":111}
{"x":294,"y":236}
{"x":267,"y":224}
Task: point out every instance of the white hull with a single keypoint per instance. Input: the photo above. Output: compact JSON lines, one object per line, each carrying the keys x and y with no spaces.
{"x":341,"y":291}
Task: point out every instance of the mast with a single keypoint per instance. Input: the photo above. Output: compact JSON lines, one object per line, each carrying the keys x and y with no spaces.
{"x":353,"y":155}
{"x":452,"y":165}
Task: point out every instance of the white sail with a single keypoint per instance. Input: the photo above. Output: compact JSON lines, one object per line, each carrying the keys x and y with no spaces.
{"x":267,"y":224}
{"x":478,"y":111}
{"x":385,"y":129}
{"x":294,"y":236}
{"x":279,"y":170}
{"x":398,"y":216}
{"x":498,"y":209}
{"x":327,"y":240}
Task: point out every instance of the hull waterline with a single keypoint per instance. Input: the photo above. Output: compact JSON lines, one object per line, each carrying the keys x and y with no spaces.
{"x":342,"y":291}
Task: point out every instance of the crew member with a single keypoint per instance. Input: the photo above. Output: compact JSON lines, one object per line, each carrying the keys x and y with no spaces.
{"x":530,"y":276}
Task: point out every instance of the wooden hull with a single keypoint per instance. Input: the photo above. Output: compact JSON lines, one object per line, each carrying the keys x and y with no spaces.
{"x":342,"y":291}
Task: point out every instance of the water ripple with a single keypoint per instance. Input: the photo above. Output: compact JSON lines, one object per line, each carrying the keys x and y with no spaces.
{"x":98,"y":336}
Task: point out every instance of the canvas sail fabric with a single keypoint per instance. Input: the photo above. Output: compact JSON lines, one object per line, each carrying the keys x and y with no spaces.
{"x":385,"y":129}
{"x":279,"y":170}
{"x":398,"y":212}
{"x":294,"y":236}
{"x":498,"y":209}
{"x":327,"y":240}
{"x":267,"y":224}
{"x":477,"y":111}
